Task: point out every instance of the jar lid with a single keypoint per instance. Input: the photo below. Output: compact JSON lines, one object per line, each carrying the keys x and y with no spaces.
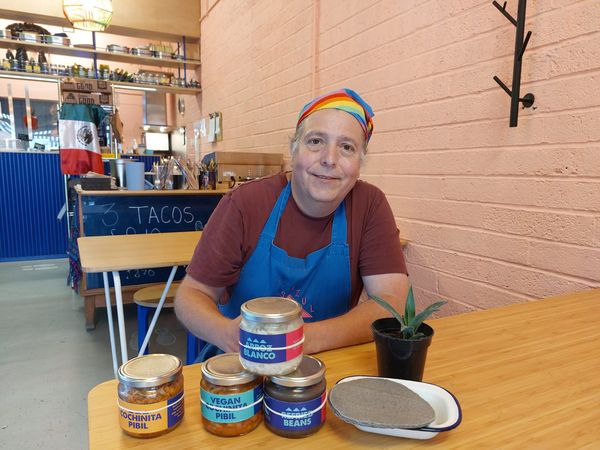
{"x":226,"y":370}
{"x":310,"y":371}
{"x":271,"y":310}
{"x":150,"y":370}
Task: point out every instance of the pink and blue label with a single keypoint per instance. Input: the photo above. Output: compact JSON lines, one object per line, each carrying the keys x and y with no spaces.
{"x":271,"y":348}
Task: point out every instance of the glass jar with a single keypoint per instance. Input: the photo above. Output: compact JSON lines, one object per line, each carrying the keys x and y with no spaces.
{"x":150,"y":395}
{"x":271,"y":335}
{"x":295,"y":404}
{"x":231,"y":397}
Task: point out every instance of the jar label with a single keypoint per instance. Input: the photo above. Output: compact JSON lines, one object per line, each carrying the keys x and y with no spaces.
{"x":271,"y":348}
{"x":295,"y":416}
{"x":231,"y":408}
{"x":151,"y":417}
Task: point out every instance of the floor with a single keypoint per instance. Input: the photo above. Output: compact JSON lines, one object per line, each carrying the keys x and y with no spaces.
{"x":49,"y":362}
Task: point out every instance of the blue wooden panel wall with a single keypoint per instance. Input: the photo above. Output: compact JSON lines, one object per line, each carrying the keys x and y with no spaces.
{"x":32,"y":192}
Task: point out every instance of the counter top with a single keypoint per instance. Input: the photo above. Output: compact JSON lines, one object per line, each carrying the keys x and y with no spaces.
{"x":14,"y":150}
{"x":124,"y":192}
{"x":526,"y":376}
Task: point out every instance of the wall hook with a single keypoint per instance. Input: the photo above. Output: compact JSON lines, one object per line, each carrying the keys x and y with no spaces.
{"x":520,"y":45}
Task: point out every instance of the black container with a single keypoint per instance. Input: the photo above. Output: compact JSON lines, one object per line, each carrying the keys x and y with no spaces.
{"x":177,"y":181}
{"x":398,"y":357}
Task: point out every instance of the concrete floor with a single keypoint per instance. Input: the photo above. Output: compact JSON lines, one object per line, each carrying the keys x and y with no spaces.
{"x":49,"y":362}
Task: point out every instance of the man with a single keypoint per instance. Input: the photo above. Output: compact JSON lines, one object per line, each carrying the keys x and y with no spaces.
{"x":315,"y":234}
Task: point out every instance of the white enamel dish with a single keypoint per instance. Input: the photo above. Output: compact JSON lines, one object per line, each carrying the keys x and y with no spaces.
{"x":446,"y":407}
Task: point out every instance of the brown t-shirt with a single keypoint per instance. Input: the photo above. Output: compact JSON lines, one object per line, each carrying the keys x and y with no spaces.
{"x":232,"y":231}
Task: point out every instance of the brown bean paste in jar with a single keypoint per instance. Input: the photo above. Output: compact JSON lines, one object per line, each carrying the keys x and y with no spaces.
{"x":295,"y":404}
{"x":230,"y":396}
{"x":150,"y":395}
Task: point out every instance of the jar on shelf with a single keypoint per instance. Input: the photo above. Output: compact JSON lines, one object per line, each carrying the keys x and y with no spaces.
{"x":295,"y":404}
{"x":150,"y":395}
{"x":231,"y":397}
{"x":271,"y":335}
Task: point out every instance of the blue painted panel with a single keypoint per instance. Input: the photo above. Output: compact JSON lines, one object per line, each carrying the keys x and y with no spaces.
{"x":32,"y":193}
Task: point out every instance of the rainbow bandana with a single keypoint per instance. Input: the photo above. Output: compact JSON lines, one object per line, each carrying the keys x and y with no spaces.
{"x":345,"y":100}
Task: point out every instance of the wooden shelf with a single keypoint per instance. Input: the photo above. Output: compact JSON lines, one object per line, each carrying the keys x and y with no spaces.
{"x":119,"y":84}
{"x":158,"y":87}
{"x":28,"y":75}
{"x":78,"y":52}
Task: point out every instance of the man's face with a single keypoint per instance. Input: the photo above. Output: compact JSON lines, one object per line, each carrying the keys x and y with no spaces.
{"x":326,"y":164}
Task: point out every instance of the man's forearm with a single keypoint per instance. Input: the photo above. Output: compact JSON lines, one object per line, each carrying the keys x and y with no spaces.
{"x":200,"y":315}
{"x":352,"y":328}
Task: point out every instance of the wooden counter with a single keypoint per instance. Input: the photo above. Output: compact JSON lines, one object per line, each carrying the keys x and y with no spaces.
{"x":152,"y":192}
{"x":526,"y":376}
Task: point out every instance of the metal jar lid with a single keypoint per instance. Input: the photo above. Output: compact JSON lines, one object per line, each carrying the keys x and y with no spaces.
{"x":310,"y":371}
{"x":271,"y":310}
{"x":150,"y":370}
{"x":226,"y":370}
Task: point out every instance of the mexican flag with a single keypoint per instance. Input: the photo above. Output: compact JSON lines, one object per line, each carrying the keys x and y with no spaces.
{"x":79,"y":145}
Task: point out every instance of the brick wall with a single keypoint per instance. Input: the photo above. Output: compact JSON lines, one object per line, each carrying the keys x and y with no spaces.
{"x":495,"y":215}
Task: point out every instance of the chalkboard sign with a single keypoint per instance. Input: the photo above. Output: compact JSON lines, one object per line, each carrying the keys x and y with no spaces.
{"x":105,"y":215}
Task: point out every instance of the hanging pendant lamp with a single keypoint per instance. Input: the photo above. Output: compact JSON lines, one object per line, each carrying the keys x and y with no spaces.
{"x":90,"y":15}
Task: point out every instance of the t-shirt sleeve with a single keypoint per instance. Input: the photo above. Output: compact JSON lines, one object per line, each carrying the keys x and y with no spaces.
{"x":380,"y":248}
{"x":218,"y":256}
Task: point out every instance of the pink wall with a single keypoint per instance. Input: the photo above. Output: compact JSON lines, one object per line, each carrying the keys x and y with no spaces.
{"x":495,"y":215}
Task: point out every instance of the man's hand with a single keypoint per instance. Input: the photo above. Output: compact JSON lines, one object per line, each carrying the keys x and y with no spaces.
{"x":231,"y":336}
{"x":354,"y":327}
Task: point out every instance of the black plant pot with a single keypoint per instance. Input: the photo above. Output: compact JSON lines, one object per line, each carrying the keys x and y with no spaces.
{"x":398,"y":357}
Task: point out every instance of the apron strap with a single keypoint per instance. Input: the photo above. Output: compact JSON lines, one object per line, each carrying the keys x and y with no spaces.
{"x":339,"y":230}
{"x":270,"y":227}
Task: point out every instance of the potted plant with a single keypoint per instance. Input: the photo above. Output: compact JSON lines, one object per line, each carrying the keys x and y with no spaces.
{"x":402,"y":341}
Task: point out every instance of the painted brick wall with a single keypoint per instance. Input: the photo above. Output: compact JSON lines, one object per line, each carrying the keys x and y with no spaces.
{"x":494,"y":215}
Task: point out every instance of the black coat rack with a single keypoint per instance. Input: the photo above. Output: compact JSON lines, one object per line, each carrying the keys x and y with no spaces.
{"x":520,"y":46}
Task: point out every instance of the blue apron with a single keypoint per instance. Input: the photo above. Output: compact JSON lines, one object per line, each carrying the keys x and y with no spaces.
{"x":320,"y":283}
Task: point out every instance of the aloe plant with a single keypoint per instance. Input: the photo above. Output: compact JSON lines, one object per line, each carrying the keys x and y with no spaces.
{"x":409,"y":322}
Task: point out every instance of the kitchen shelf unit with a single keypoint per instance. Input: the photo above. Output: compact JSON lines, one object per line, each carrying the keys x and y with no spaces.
{"x":104,"y":55}
{"x":117,"y":84}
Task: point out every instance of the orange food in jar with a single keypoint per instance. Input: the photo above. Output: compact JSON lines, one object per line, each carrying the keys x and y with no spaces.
{"x":150,"y":395}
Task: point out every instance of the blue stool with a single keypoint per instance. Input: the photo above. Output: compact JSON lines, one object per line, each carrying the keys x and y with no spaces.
{"x":147,"y":300}
{"x":194,"y":345}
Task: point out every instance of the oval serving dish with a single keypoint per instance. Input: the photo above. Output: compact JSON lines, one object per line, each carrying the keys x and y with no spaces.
{"x":447,"y":410}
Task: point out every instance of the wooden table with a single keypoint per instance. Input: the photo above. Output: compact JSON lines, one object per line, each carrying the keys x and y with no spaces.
{"x":526,"y":376}
{"x":129,"y":252}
